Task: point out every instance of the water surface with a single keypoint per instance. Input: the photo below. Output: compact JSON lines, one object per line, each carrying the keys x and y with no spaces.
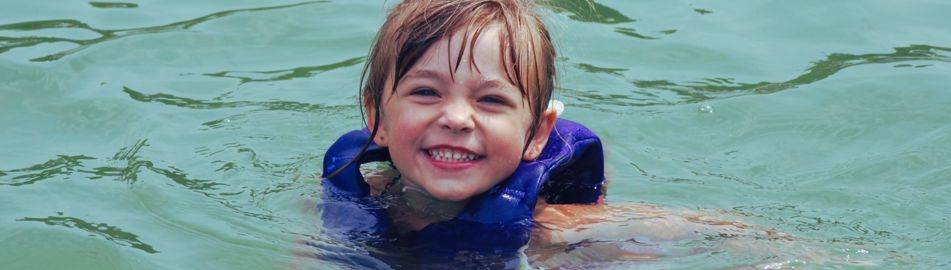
{"x":183,"y":134}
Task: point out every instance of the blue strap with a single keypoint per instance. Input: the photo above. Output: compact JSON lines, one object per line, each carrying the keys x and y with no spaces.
{"x":347,"y":207}
{"x":498,"y":221}
{"x":350,"y":181}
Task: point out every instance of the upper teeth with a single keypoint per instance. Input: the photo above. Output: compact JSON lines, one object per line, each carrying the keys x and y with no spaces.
{"x":451,"y":155}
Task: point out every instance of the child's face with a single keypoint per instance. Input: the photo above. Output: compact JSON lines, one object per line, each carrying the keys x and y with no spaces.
{"x":475,"y":117}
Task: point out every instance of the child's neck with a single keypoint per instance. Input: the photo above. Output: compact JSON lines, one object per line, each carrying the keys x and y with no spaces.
{"x":410,"y":208}
{"x":413,"y":209}
{"x":424,"y":203}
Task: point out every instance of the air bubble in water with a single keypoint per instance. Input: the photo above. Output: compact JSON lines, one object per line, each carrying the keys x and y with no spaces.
{"x":705,"y":108}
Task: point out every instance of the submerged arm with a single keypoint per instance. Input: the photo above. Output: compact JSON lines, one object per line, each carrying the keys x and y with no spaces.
{"x":565,"y":224}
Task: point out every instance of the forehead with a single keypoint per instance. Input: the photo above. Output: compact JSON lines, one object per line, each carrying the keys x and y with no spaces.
{"x":468,"y":51}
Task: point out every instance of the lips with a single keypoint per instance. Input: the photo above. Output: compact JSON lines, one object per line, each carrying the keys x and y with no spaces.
{"x":452,"y":155}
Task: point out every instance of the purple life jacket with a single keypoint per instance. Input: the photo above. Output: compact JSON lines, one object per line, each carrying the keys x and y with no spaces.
{"x":570,"y":170}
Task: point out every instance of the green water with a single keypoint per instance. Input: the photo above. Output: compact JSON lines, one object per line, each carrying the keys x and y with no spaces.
{"x":185,"y":135}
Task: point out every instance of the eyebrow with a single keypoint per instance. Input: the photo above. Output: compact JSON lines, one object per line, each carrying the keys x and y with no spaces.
{"x":424,"y":74}
{"x":498,"y":83}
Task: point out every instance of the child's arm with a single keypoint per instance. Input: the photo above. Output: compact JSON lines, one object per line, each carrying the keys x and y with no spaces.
{"x":564,"y":224}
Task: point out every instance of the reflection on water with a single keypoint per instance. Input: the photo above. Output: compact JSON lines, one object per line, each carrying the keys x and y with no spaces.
{"x":588,"y":11}
{"x":702,"y":11}
{"x":61,"y":166}
{"x":183,"y":102}
{"x":287,"y":74}
{"x":113,"y":5}
{"x":717,"y":88}
{"x":111,"y":233}
{"x":9,"y":43}
{"x":593,"y":12}
{"x":128,"y":173}
{"x":633,"y":33}
{"x":127,"y":166}
{"x":820,"y":70}
{"x":124,"y":166}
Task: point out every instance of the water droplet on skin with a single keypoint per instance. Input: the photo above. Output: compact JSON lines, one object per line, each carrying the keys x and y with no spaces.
{"x":705,"y":108}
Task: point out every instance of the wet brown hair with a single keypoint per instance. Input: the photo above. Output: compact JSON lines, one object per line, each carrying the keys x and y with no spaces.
{"x":412,"y":26}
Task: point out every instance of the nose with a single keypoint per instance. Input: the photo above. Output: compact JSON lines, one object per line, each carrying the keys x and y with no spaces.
{"x":457,"y":117}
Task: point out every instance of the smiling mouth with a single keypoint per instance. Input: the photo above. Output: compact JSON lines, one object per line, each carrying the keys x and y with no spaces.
{"x":451,"y":155}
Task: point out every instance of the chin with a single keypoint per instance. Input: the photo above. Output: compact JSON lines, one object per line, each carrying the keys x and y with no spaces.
{"x":451,"y":189}
{"x":452,"y":197}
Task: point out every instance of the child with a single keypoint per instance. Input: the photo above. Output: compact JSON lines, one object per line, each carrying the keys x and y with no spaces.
{"x":457,"y":98}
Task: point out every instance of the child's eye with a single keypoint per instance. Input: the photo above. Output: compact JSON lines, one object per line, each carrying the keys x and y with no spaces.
{"x":425,"y":92}
{"x":494,"y":100}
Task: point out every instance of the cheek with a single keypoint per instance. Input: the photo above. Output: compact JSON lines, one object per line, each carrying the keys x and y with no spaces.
{"x":509,"y":139}
{"x":405,"y":129}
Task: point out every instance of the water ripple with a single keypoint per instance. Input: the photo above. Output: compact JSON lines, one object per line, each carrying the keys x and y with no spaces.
{"x":633,"y":33}
{"x":183,"y":102}
{"x":718,"y":88}
{"x":111,"y":233}
{"x":126,"y":166}
{"x":127,"y":173}
{"x":63,"y":165}
{"x":724,"y":87}
{"x":287,"y":74}
{"x":9,"y":43}
{"x":588,"y":11}
{"x":113,"y":5}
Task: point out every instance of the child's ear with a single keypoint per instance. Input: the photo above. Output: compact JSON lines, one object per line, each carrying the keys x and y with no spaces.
{"x":541,"y":136}
{"x":380,"y":138}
